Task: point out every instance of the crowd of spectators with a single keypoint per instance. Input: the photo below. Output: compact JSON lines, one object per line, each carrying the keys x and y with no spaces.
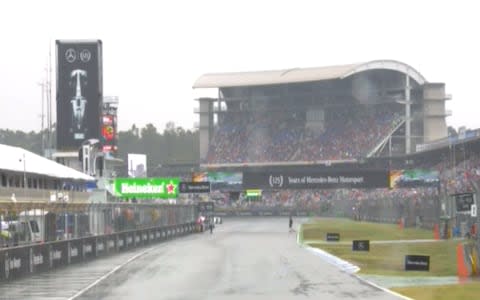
{"x":416,"y":204}
{"x":348,"y":132}
{"x":463,"y":177}
{"x":224,"y":148}
{"x":351,"y":133}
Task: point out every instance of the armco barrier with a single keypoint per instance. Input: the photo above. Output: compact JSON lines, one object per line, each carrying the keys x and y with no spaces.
{"x":24,"y":260}
{"x":262,"y":213}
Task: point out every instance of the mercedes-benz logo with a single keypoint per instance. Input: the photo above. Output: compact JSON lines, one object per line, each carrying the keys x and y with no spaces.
{"x":85,"y":55}
{"x":70,"y":55}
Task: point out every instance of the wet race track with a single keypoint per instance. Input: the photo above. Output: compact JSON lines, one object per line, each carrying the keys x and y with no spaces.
{"x":243,"y":259}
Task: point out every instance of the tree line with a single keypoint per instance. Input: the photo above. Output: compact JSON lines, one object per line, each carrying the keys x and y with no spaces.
{"x":174,"y":145}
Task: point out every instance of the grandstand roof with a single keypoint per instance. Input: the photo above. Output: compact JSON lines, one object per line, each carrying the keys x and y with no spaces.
{"x":218,"y":80}
{"x":11,"y":159}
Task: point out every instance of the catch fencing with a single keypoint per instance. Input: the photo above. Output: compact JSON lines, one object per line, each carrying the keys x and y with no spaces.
{"x":95,"y":230}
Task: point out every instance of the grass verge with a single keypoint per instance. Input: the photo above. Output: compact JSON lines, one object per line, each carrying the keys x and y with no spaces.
{"x":467,"y":291}
{"x":352,"y":230}
{"x":388,"y":259}
{"x":383,"y":259}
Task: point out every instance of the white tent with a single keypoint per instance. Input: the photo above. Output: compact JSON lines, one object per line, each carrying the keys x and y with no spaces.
{"x":17,"y":159}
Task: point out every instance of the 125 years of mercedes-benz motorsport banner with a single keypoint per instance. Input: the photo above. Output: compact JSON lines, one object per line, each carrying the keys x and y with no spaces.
{"x":79,"y":92}
{"x":317,"y":180}
{"x":146,"y":188}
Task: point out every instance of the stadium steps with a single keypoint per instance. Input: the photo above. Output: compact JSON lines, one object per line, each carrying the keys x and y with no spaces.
{"x":384,"y":141}
{"x":299,"y":149}
{"x":475,"y":185}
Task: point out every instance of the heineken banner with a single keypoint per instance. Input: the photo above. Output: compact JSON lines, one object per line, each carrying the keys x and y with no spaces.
{"x":146,"y":188}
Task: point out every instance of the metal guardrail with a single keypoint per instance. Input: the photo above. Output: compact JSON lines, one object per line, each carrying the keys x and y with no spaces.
{"x":60,"y":221}
{"x":263,"y":213}
{"x":23,"y":260}
{"x":389,"y":216}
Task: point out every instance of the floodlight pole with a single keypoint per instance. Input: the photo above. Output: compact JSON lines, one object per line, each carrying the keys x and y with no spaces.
{"x":49,"y":97}
{"x":42,"y":85}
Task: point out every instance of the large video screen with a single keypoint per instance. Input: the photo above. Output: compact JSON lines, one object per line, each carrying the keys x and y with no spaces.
{"x":200,"y":176}
{"x":413,"y":177}
{"x":228,"y":181}
{"x":464,"y":202}
{"x":79,"y":92}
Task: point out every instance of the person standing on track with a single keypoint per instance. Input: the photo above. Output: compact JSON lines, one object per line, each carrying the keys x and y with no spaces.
{"x":290,"y":224}
{"x":211,"y":225}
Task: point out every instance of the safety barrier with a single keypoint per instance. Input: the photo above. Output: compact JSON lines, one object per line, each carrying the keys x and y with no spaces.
{"x":19,"y":261}
{"x":263,"y":213}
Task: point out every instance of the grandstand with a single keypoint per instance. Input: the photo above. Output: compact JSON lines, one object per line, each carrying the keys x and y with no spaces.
{"x":319,"y":115}
{"x":277,"y":128}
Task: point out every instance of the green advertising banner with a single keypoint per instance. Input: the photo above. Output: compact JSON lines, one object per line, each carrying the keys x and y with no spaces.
{"x":146,"y":188}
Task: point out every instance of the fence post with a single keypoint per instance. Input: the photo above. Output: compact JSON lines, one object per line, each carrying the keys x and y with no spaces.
{"x":50,"y":256}
{"x":95,"y":247}
{"x":117,"y":247}
{"x":7,"y":265}
{"x":30,"y":260}
{"x":69,"y":253}
{"x":107,"y":241}
{"x":82,"y":249}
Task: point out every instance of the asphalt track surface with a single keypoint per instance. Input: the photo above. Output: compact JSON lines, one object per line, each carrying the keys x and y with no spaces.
{"x":244,"y":259}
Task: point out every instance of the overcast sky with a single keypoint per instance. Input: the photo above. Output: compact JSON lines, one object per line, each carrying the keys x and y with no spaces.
{"x":153,"y":51}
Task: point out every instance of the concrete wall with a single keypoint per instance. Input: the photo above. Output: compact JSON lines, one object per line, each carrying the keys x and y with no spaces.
{"x":434,"y":122}
{"x":40,"y":195}
{"x":205,"y":124}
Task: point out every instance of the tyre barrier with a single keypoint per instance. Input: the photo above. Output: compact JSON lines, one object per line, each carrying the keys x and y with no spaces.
{"x":23,"y":260}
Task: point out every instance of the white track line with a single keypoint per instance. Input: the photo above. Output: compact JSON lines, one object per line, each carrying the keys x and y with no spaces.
{"x":84,"y":290}
{"x":351,"y":269}
{"x":355,"y":275}
{"x":382,"y":288}
{"x":299,"y":228}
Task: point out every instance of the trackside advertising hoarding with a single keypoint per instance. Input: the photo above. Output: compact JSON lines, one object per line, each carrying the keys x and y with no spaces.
{"x":333,"y":179}
{"x":146,"y":188}
{"x":194,"y":187}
